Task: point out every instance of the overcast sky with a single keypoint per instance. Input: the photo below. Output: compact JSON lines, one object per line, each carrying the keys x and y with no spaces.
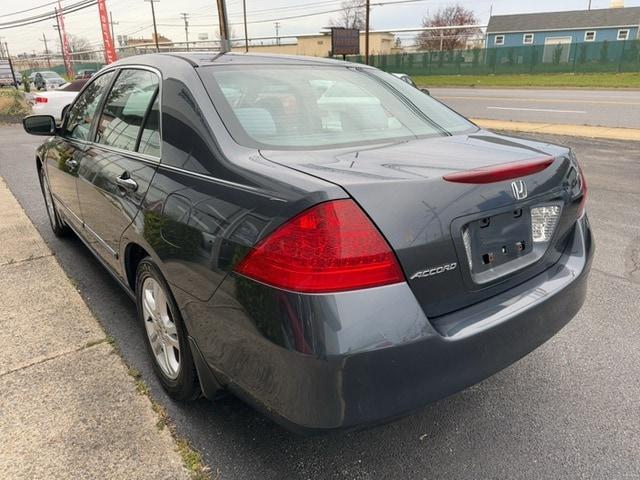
{"x":134,"y":17}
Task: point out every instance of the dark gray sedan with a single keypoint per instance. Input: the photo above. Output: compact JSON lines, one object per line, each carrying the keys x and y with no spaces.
{"x":319,"y":238}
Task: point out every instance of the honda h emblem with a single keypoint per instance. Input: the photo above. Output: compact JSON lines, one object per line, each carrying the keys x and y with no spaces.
{"x":519,"y":189}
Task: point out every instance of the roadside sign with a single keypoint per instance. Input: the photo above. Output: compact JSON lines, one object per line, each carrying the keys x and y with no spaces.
{"x":345,"y":41}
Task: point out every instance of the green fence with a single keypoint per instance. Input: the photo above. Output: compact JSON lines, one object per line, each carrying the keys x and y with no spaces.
{"x":592,"y":57}
{"x":59,"y":69}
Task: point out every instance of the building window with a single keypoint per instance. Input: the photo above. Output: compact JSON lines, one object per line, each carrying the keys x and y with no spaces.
{"x":320,"y":42}
{"x":590,"y":36}
{"x":499,"y":40}
{"x":623,"y":34}
{"x":527,"y":38}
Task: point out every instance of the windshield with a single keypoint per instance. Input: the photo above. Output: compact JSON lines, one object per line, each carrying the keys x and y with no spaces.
{"x":319,"y":107}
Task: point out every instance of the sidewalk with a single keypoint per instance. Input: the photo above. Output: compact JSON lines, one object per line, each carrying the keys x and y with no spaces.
{"x":68,"y":408}
{"x":587,"y":131}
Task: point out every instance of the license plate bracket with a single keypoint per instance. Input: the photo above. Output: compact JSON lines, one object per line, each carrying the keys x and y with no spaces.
{"x":499,"y":239}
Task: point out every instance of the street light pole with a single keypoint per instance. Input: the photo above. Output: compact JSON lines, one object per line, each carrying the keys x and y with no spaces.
{"x":225,"y":44}
{"x":155,"y":29}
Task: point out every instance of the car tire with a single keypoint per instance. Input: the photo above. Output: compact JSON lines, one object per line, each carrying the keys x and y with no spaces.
{"x":60,"y":229}
{"x":165,"y":333}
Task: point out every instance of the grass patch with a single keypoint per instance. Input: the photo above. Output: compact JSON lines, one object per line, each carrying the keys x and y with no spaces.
{"x":191,"y":458}
{"x":12,"y":103}
{"x":556,"y":80}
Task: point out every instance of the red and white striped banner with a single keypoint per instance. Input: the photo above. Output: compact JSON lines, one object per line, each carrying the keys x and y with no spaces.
{"x":110,"y":55}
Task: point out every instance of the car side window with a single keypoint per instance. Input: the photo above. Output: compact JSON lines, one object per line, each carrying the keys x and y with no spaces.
{"x":126,"y":108}
{"x":150,"y":137}
{"x":83,"y":110}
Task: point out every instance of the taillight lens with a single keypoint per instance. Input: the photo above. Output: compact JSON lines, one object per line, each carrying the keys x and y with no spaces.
{"x":42,"y":99}
{"x":330,"y":247}
{"x":498,"y":173}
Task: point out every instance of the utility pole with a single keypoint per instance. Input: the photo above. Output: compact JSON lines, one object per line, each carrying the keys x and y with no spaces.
{"x":13,"y":73}
{"x":366,"y":32}
{"x":589,"y":4}
{"x":277,"y":25}
{"x":1,"y":47}
{"x":112,"y":23}
{"x":225,"y":44}
{"x":246,"y":35}
{"x":155,"y":29}
{"x":185,"y":16}
{"x":46,"y":50}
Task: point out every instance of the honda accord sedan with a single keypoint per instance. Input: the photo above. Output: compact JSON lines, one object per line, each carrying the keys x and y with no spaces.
{"x":317,"y":237}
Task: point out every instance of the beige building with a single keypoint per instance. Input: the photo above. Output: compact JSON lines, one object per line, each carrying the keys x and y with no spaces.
{"x":319,"y":45}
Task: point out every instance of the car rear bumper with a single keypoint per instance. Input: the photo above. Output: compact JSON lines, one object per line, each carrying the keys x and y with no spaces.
{"x":342,"y":361}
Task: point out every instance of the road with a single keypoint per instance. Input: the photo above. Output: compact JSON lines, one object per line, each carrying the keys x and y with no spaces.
{"x":568,"y":410}
{"x":608,"y":108}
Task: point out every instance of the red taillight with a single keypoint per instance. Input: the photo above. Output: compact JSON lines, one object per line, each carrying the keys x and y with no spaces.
{"x":42,"y":99}
{"x":498,"y":173}
{"x":330,"y":247}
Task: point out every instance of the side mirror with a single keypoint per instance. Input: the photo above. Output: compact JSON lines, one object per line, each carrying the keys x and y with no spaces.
{"x":39,"y":125}
{"x":425,"y":90}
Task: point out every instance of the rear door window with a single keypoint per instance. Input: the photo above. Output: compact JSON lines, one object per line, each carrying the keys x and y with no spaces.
{"x":126,"y":108}
{"x":78,"y":125}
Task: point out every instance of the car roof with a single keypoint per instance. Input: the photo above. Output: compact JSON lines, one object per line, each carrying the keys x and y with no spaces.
{"x":202,"y":59}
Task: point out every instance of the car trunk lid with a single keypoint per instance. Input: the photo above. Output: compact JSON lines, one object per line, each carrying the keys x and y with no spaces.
{"x":458,"y":243}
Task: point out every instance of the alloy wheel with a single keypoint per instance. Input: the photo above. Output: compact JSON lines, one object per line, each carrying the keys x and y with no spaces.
{"x":161,"y":328}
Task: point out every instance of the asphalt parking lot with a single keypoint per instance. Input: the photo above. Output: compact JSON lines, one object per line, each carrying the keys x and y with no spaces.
{"x":571,"y":409}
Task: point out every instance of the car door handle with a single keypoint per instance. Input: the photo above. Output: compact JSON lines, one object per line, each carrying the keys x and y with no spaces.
{"x":71,"y":164}
{"x":125,"y":182}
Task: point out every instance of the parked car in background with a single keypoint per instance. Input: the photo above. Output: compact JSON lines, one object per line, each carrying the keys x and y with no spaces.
{"x":317,"y":237}
{"x":83,"y":74}
{"x":53,"y":102}
{"x":407,"y":79}
{"x":44,"y":80}
{"x":6,"y":78}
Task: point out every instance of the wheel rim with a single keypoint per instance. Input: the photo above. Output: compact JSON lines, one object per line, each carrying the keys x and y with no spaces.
{"x":48,"y":201}
{"x":161,"y":328}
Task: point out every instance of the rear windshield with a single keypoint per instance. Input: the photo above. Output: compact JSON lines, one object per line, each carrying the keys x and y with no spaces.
{"x":306,"y":107}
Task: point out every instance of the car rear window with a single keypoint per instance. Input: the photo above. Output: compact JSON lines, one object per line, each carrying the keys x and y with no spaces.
{"x":307,"y":107}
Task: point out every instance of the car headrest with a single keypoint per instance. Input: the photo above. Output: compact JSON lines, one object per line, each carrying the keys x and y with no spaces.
{"x":256,"y":121}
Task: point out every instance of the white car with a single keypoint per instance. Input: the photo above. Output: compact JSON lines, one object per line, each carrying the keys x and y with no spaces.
{"x":52,"y":102}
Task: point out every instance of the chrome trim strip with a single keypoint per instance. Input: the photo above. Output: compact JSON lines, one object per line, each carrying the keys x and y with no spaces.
{"x":219,"y":180}
{"x":67,"y":209}
{"x":101,"y":241}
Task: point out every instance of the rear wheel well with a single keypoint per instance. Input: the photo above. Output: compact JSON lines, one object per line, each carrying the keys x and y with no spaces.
{"x":133,"y":254}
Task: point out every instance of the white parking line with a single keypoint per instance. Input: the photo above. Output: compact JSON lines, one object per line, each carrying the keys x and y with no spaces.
{"x":548,"y":110}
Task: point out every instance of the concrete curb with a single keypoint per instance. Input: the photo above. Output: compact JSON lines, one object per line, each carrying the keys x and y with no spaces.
{"x":630,"y":134}
{"x":68,"y":407}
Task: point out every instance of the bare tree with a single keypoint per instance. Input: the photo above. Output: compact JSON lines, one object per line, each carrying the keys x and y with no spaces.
{"x":79,"y":44}
{"x":352,"y":15}
{"x":448,"y":39}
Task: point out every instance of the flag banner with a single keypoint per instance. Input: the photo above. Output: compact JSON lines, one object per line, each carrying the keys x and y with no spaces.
{"x":110,"y":55}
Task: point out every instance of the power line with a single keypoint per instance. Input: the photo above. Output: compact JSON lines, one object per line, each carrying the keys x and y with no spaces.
{"x":48,"y":16}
